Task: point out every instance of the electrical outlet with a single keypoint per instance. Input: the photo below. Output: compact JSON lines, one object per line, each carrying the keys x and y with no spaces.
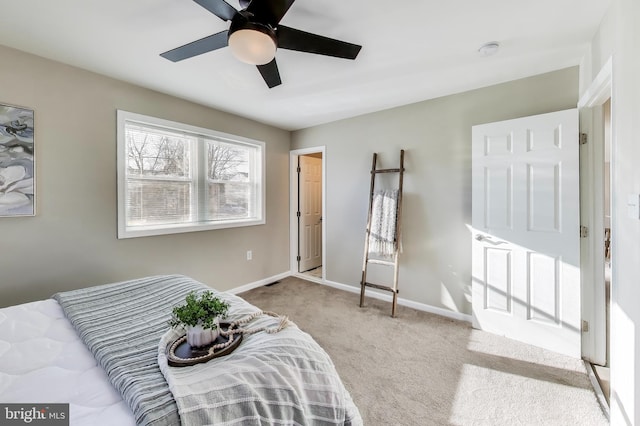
{"x":249,"y":255}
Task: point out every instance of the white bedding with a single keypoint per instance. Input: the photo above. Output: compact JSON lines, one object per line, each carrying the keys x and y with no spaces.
{"x":42,"y":360}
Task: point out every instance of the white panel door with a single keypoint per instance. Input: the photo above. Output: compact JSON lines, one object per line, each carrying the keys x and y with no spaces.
{"x":310,"y":199}
{"x":526,"y":242}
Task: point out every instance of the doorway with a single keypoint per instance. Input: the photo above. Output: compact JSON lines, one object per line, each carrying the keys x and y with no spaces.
{"x":308,"y":213}
{"x":602,"y":371}
{"x":597,"y":201}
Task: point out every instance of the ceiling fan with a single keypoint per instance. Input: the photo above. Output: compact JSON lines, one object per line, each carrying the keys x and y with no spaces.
{"x":255,"y":34}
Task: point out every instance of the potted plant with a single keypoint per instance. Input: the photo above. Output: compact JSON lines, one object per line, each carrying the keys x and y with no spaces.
{"x":200,"y":315}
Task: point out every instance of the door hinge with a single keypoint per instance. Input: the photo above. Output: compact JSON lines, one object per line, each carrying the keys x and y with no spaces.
{"x":585,"y":326}
{"x":298,"y":214}
{"x":298,"y":169}
{"x":583,"y":138}
{"x":298,"y":258}
{"x":584,"y":232}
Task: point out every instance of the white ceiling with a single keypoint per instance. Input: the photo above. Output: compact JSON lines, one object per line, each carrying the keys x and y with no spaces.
{"x":412,"y":50}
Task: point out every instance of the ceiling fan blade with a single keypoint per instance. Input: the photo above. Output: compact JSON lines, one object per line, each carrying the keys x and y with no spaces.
{"x":220,"y":8}
{"x":269,"y":11}
{"x":270,"y":73}
{"x":198,"y":47}
{"x":302,"y":41}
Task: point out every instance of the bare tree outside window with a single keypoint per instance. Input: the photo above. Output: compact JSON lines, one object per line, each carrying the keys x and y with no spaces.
{"x":224,"y":160}
{"x":152,"y":154}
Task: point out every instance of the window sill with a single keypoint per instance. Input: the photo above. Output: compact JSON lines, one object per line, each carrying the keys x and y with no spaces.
{"x":153,"y":230}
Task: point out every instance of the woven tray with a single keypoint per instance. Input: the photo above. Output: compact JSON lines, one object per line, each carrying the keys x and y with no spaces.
{"x":181,"y":354}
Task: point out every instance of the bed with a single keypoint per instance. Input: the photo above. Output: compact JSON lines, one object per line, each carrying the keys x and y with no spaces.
{"x":103,"y":350}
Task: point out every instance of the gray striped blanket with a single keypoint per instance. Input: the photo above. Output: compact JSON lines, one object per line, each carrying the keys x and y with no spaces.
{"x":283,"y":378}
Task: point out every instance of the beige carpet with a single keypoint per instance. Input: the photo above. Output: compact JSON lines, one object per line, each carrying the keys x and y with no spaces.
{"x":422,"y":369}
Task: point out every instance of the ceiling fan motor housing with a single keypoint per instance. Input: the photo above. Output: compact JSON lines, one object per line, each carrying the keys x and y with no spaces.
{"x":242,"y":21}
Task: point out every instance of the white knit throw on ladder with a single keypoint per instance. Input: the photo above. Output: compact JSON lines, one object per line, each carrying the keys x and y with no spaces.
{"x":382,"y":231}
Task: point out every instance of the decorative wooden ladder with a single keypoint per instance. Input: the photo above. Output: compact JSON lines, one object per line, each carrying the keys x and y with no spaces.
{"x":394,"y":262}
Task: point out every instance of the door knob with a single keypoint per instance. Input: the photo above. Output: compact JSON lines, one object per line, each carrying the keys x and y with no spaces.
{"x":489,"y":240}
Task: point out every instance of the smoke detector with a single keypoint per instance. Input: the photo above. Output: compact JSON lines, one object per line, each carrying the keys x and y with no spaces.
{"x":488,"y":49}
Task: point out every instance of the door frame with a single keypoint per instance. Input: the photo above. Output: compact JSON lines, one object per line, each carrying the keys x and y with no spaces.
{"x":590,"y":105}
{"x":293,"y":209}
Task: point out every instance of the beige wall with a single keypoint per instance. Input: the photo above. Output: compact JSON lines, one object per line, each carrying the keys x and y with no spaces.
{"x":71,"y":242}
{"x":619,"y":38}
{"x":436,"y":134}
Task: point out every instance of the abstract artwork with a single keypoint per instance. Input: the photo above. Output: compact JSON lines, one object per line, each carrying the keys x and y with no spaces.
{"x":17,"y":168}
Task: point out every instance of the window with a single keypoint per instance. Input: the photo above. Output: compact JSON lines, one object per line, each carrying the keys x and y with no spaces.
{"x":174,"y":178}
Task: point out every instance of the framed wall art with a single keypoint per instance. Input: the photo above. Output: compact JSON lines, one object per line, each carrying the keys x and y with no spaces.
{"x":17,"y":162}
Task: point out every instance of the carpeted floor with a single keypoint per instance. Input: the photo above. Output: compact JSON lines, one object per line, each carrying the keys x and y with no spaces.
{"x":423,"y":369}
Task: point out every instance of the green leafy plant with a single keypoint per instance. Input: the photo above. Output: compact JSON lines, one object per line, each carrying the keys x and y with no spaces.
{"x":203,"y":310}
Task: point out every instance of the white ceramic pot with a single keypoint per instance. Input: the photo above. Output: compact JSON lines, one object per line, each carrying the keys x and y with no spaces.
{"x":198,"y":336}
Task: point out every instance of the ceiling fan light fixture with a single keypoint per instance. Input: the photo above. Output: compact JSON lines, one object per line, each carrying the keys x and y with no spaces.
{"x":253,"y":44}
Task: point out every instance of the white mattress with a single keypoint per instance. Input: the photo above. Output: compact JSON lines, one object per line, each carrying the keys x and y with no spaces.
{"x":42,"y":360}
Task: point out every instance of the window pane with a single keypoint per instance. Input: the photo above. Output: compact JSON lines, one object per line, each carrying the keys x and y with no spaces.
{"x":230,"y":178}
{"x":227,"y":162}
{"x":158,"y":202}
{"x":156,"y":153}
{"x":228,"y":200}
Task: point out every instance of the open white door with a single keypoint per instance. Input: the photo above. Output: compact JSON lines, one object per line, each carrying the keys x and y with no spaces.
{"x":526,"y":241}
{"x":310,"y":199}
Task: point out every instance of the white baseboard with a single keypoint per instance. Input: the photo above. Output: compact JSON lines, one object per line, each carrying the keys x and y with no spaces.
{"x":370,"y":293}
{"x":404,"y":302}
{"x":259,"y":283}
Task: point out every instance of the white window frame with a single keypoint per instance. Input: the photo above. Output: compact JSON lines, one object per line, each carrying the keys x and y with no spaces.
{"x":125,"y":231}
